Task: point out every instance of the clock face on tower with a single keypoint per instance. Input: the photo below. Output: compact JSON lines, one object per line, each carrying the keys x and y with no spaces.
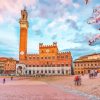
{"x":47,"y":50}
{"x":22,"y":53}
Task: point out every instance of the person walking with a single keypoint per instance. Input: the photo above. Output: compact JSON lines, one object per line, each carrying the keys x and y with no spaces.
{"x":4,"y":80}
{"x":96,"y":72}
{"x":90,"y":74}
{"x":11,"y":78}
{"x":76,"y":80}
{"x":79,"y":82}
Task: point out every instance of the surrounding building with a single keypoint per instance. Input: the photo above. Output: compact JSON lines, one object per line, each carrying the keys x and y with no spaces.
{"x":84,"y":64}
{"x":49,"y":61}
{"x":7,"y":65}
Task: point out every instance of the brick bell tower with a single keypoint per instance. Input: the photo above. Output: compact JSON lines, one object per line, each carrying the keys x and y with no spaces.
{"x":23,"y":35}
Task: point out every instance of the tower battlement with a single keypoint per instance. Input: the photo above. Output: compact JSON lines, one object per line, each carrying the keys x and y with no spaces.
{"x":53,"y":45}
{"x":62,"y":52}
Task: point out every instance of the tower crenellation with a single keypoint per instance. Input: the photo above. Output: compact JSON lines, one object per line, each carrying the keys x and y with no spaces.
{"x":53,"y":45}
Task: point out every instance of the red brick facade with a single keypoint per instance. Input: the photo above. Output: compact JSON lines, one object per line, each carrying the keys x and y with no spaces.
{"x":48,"y":56}
{"x":8,"y":65}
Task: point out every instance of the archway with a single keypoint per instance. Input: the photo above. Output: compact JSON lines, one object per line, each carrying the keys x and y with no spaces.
{"x":20,"y":69}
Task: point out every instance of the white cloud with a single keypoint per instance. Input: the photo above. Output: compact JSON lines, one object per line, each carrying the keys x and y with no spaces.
{"x":60,"y":26}
{"x":76,"y":5}
{"x":66,"y":2}
{"x":8,"y":37}
{"x":9,"y":42}
{"x":33,"y":46}
{"x":73,"y":17}
{"x":63,"y":44}
{"x":1,"y":19}
{"x":96,"y":48}
{"x":10,"y":10}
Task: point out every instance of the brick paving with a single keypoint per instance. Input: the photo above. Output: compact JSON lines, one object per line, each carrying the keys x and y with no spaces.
{"x":50,"y":88}
{"x":34,"y":90}
{"x":89,"y":88}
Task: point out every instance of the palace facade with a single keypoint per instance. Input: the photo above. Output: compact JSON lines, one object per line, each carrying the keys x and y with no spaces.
{"x":7,"y":65}
{"x":49,"y":61}
{"x":84,"y":64}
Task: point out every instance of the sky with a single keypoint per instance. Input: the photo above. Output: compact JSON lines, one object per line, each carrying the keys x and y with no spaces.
{"x":61,"y":21}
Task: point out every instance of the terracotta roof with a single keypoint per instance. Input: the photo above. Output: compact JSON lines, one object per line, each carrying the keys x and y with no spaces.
{"x":3,"y":59}
{"x":86,"y":58}
{"x":90,"y":55}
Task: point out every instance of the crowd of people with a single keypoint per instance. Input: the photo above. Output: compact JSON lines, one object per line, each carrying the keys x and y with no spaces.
{"x":92,"y":74}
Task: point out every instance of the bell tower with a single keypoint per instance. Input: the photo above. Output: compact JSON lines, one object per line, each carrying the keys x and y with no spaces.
{"x":23,"y":35}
